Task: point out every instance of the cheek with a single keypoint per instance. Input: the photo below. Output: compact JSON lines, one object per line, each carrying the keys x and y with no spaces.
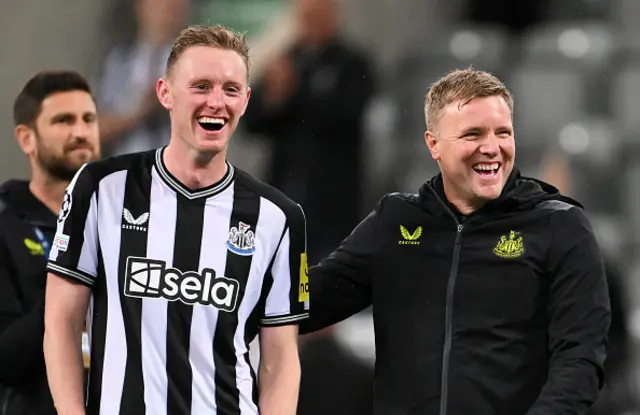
{"x":464,"y":150}
{"x":508,"y":149}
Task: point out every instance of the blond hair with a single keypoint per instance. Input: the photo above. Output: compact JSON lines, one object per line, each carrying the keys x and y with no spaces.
{"x":462,"y":85}
{"x":212,"y":36}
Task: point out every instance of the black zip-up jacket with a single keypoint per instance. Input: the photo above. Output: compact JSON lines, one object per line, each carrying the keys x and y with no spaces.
{"x":503,"y":312}
{"x":26,"y":229}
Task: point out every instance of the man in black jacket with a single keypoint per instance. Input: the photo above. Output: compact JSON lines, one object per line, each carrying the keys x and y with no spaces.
{"x":488,"y":289}
{"x":56,"y":127}
{"x":310,"y":104}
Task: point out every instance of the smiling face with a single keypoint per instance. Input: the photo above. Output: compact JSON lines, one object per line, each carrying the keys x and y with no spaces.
{"x":475,"y":148}
{"x":206,"y":93}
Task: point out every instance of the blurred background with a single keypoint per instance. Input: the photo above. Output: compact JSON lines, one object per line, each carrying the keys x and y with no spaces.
{"x":336,"y":119}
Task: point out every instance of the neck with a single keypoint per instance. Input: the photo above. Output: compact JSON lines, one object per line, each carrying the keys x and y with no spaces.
{"x":194,"y":169}
{"x":463,"y":205}
{"x":48,"y":190}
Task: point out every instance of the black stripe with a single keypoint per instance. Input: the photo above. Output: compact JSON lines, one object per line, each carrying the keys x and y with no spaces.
{"x":98,"y":337}
{"x":297,"y":246}
{"x":253,"y":322}
{"x":186,"y":258}
{"x":246,"y":208}
{"x":133,"y":242}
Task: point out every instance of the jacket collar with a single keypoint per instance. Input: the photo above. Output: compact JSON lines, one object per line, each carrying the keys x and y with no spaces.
{"x":16,"y":195}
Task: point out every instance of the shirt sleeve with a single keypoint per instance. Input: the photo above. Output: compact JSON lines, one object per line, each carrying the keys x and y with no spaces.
{"x":580,"y":316}
{"x":341,"y":283}
{"x":74,"y":252}
{"x":287,"y":301}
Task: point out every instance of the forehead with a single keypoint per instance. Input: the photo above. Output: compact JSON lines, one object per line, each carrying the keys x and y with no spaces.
{"x":487,"y":110}
{"x":67,"y":102}
{"x":215,"y":64}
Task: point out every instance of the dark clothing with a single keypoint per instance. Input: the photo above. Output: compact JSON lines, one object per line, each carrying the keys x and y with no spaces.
{"x":333,"y":381}
{"x":26,"y":231}
{"x":502,"y":312}
{"x":317,"y":138}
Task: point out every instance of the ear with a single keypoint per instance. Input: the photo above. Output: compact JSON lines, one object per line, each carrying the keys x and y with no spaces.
{"x":432,"y":145}
{"x":246,"y":102}
{"x":164,"y":93}
{"x":26,"y":138}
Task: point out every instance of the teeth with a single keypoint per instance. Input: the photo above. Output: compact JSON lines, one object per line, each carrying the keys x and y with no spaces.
{"x":487,"y":166}
{"x":209,"y":120}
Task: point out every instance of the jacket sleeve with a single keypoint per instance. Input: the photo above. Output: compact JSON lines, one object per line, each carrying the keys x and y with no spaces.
{"x":580,"y":315}
{"x":340,"y":285}
{"x":21,"y":332}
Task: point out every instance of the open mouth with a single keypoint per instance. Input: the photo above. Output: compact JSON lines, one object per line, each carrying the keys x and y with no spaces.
{"x":211,"y":124}
{"x":487,"y":169}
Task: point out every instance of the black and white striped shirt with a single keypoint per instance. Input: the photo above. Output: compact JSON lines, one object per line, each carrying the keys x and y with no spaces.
{"x":181,"y":282}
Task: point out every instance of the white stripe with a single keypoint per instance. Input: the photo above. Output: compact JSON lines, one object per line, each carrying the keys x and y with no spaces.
{"x":271,"y":221}
{"x":110,"y":205}
{"x":88,"y":261}
{"x":160,"y":244}
{"x":204,"y":319}
{"x":278,"y":301}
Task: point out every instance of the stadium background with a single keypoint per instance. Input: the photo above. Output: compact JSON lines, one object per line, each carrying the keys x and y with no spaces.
{"x":572,"y":65}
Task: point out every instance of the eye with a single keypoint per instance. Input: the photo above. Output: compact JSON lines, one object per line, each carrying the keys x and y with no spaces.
{"x":201,"y":87}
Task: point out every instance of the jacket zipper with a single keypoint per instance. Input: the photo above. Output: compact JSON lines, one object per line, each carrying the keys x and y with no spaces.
{"x":444,"y":388}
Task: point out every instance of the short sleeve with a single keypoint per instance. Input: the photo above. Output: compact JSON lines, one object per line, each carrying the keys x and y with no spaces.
{"x":287,"y":301}
{"x":74,"y":252}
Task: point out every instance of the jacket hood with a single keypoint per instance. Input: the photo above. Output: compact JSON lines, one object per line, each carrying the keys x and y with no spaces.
{"x":519,"y":193}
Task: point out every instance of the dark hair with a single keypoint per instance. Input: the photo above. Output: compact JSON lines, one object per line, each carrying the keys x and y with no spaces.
{"x":214,"y":36}
{"x":28,"y":103}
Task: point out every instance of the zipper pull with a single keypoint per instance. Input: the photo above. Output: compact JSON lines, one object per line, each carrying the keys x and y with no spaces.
{"x":460,"y":228}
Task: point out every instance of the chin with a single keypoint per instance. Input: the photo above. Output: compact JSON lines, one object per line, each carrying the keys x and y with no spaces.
{"x":208,"y":146}
{"x":490,"y":192}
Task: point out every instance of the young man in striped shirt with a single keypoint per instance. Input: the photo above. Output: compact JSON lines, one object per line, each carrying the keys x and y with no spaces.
{"x":181,"y":260}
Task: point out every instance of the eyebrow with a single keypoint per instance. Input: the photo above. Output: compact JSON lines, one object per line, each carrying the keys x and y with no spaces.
{"x":65,"y":115}
{"x":480,"y":130}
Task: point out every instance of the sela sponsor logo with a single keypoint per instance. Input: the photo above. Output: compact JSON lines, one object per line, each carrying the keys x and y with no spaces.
{"x":134,"y":224}
{"x":150,"y":278}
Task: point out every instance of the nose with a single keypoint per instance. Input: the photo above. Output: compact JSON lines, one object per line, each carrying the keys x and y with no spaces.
{"x":215,"y":98}
{"x":490,"y":146}
{"x":80,"y":130}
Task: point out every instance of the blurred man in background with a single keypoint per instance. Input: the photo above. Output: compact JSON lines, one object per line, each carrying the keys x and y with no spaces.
{"x":617,"y":396}
{"x":131,"y":119}
{"x":56,"y":127}
{"x":310,"y":104}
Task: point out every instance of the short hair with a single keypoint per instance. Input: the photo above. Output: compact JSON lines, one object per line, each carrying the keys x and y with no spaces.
{"x":462,"y":85}
{"x":28,"y":104}
{"x":212,"y":36}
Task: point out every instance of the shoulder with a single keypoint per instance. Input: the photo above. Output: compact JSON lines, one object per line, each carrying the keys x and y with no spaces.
{"x":91,"y":174}
{"x":568,"y":224}
{"x":396,"y":201}
{"x":267,"y":193}
{"x":563,"y":212}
